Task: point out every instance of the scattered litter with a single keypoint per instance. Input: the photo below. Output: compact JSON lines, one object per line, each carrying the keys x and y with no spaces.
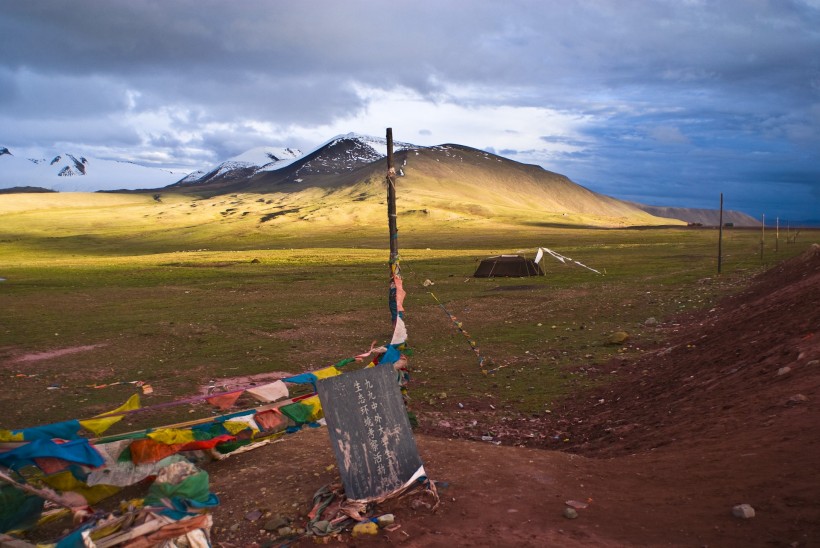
{"x":366,"y":528}
{"x":428,"y":283}
{"x":385,"y":520}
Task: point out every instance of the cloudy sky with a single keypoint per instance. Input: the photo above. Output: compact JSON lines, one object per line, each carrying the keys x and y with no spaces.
{"x":667,"y":102}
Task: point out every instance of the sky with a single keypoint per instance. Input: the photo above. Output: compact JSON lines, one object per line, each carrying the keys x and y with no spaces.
{"x":664,"y":102}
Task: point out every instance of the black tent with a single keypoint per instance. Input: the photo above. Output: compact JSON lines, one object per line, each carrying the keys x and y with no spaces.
{"x":509,"y":266}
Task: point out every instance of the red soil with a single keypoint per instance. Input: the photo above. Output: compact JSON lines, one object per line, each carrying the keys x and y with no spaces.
{"x":710,"y":420}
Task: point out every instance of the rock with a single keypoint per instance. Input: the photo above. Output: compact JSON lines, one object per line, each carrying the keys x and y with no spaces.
{"x":619,"y":337}
{"x":783,"y":371}
{"x":366,"y":528}
{"x":417,"y":504}
{"x":797,"y":399}
{"x":253,"y":515}
{"x":743,"y":511}
{"x":385,"y":520}
{"x":570,"y":513}
{"x":813,"y":362}
{"x":578,"y":505}
{"x":276,"y":523}
{"x":651,"y":321}
{"x":234,"y":527}
{"x":284,"y":531}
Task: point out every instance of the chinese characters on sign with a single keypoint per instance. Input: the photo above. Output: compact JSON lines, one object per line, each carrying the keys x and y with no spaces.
{"x":369,"y":430}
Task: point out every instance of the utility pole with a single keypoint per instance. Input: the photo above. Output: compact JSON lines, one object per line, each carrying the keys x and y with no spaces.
{"x":777,"y":234}
{"x":720,"y":235}
{"x":762,"y":236}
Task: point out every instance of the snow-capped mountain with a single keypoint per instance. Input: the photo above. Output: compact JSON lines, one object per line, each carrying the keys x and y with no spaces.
{"x":345,"y":152}
{"x":246,"y":164}
{"x":264,"y":168}
{"x":74,"y":173}
{"x":377,"y":144}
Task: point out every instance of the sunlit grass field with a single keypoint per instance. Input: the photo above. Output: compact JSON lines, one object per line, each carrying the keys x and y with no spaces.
{"x":177,"y":293}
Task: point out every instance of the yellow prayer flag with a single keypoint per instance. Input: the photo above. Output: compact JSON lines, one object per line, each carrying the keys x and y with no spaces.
{"x":315,"y":407}
{"x":65,"y":481}
{"x":238,"y":424}
{"x":6,"y":435}
{"x":101,"y":423}
{"x":171,"y":436}
{"x":327,"y":372}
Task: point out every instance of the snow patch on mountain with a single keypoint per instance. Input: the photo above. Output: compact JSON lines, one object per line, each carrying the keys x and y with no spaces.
{"x":268,"y":158}
{"x":378,"y":144}
{"x":74,"y":173}
{"x":255,"y":160}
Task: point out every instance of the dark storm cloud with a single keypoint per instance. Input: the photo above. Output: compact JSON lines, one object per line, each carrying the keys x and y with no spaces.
{"x":672,"y":97}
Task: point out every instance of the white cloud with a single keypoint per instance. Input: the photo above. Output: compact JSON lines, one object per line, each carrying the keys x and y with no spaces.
{"x":668,"y":135}
{"x":448,"y":120}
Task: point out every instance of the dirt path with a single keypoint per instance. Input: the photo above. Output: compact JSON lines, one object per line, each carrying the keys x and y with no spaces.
{"x":40,"y":356}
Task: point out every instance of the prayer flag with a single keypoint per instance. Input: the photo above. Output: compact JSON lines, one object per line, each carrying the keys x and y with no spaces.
{"x":101,"y":423}
{"x":225,"y":401}
{"x":269,"y":392}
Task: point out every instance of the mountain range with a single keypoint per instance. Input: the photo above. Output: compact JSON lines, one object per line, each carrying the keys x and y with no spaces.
{"x":65,"y":172}
{"x":444,"y":182}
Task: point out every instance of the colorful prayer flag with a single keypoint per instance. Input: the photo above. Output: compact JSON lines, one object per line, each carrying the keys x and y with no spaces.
{"x":101,"y":423}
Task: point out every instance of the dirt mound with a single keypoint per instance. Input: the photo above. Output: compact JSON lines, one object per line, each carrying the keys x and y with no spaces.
{"x":738,"y":369}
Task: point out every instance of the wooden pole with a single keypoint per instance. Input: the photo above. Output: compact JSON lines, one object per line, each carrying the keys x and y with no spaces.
{"x":720,"y":235}
{"x":762,"y":235}
{"x":776,"y":234}
{"x":395,"y":271}
{"x":391,"y":201}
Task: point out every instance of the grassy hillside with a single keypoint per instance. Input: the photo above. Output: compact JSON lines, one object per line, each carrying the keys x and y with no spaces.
{"x":184,"y":291}
{"x":449,"y":183}
{"x":435,"y":210}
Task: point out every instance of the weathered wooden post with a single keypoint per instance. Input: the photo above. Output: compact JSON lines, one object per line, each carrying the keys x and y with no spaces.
{"x":395,"y":270}
{"x":720,"y":235}
{"x":762,"y":236}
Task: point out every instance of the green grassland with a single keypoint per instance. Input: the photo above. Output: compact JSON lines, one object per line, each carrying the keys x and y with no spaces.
{"x":187,"y":290}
